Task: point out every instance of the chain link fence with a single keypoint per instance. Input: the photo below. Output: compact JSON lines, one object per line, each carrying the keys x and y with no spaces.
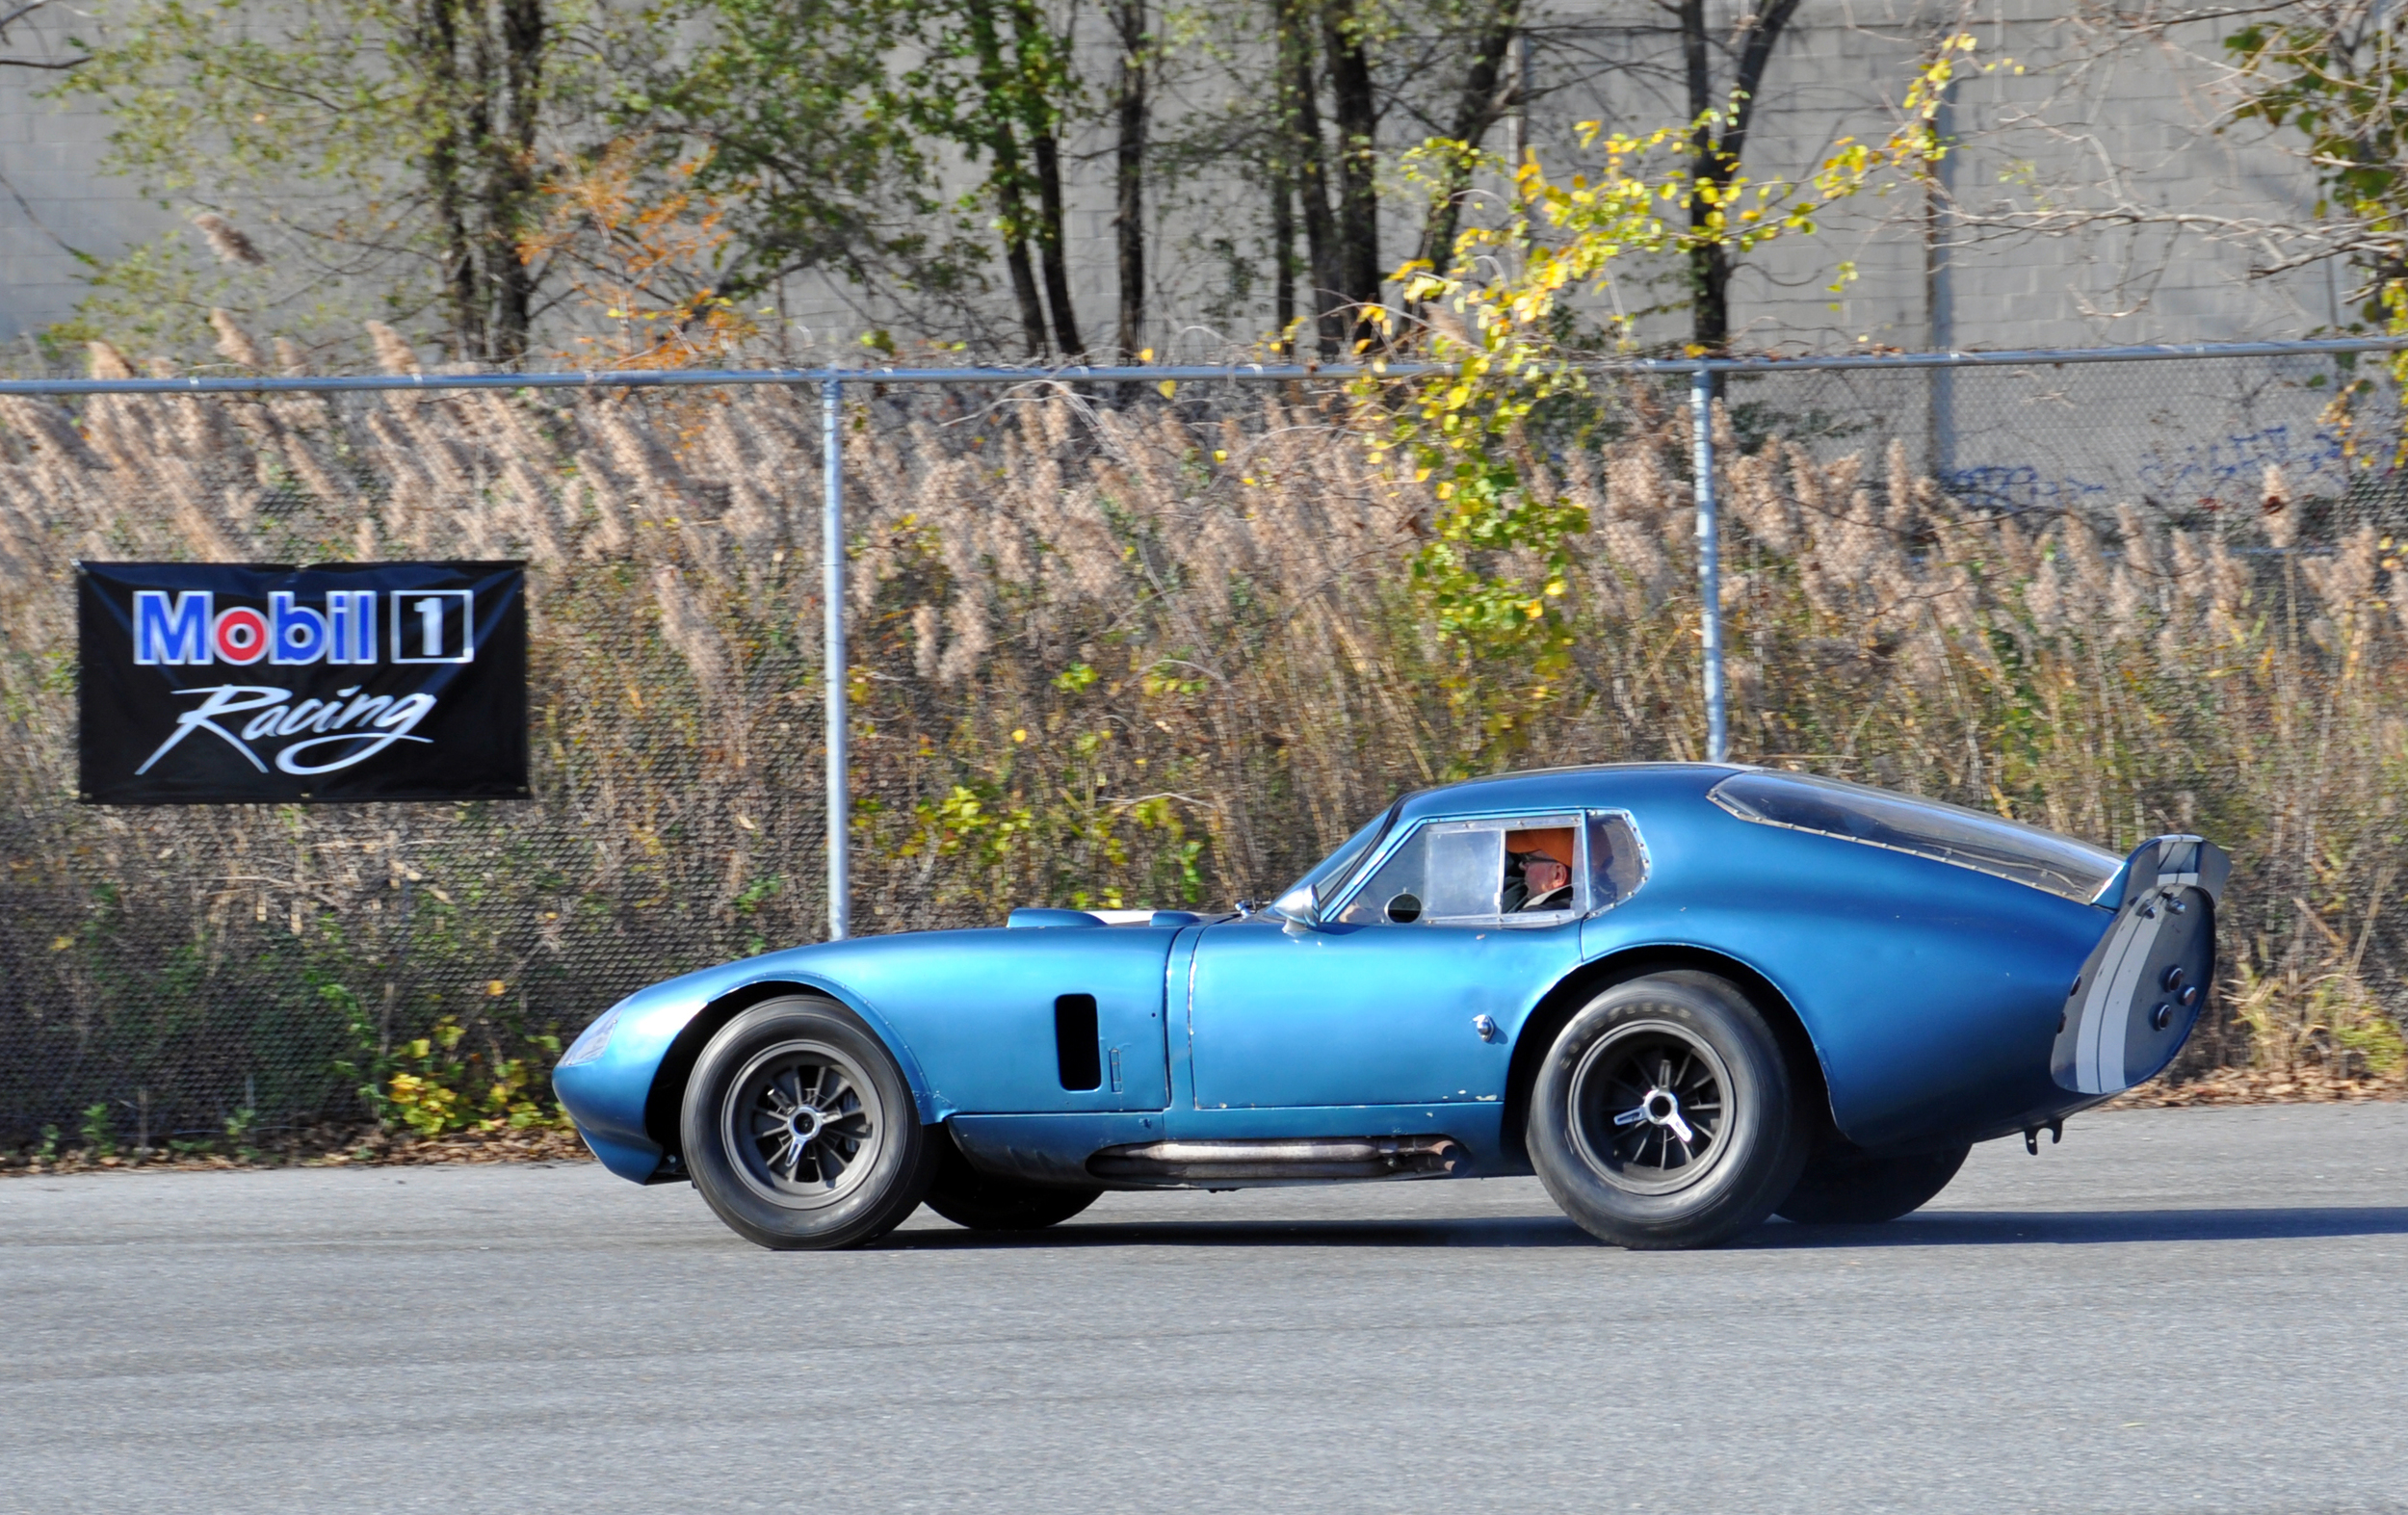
{"x":1124,"y":645}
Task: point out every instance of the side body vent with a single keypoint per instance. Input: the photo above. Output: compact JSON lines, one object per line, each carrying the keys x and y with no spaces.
{"x":1075,"y":1042}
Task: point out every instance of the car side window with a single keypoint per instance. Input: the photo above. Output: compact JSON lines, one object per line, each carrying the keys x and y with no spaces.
{"x":1520,"y":871}
{"x":1618,"y":860}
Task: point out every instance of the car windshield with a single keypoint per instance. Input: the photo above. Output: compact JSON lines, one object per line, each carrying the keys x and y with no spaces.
{"x":1926,"y":828}
{"x":1332,"y":871}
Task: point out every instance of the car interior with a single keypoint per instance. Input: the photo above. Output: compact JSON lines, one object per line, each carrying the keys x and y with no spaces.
{"x":1538,"y":869}
{"x":1465,"y":871}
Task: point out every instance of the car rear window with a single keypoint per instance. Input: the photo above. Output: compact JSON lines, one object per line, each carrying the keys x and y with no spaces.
{"x":1926,"y":827}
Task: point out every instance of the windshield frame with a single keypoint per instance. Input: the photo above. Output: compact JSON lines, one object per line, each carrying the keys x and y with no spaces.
{"x":1330,"y":875}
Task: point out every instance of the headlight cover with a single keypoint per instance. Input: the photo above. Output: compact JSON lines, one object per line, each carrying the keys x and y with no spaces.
{"x":589,"y":1045}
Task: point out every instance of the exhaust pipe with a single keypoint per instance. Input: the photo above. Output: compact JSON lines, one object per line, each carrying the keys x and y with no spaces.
{"x":1299,"y":1160}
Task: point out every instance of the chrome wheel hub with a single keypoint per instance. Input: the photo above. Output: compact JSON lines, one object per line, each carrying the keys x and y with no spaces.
{"x":804,"y":1125}
{"x":1650,"y":1107}
{"x":1661,"y":1107}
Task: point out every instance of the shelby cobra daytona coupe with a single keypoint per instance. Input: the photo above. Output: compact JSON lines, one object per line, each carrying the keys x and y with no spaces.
{"x":1685,"y":996}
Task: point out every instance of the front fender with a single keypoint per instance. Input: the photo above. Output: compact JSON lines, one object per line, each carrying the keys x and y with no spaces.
{"x":607,"y":1095}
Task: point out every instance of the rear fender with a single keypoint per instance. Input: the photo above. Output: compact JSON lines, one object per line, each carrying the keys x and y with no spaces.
{"x":1538,"y":1030}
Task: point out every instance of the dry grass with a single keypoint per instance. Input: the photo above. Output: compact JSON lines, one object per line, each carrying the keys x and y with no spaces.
{"x":1152,"y":655}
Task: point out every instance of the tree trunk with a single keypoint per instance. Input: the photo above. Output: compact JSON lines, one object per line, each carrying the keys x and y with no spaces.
{"x":1128,"y":21}
{"x":1023,"y":276}
{"x":1038,"y":77}
{"x":1301,"y":120}
{"x":484,"y":71}
{"x":1479,"y":107}
{"x":1355,"y":115}
{"x":1709,"y":265}
{"x":510,"y":178}
{"x":1714,"y":160}
{"x":1011,"y":213}
{"x":1008,"y":176}
{"x":436,"y":38}
{"x":1049,"y":248}
{"x":1283,"y":259}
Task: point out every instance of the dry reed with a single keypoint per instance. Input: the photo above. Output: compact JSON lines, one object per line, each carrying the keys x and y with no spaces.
{"x":1163,"y":654}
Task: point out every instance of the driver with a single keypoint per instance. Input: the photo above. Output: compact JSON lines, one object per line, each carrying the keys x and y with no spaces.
{"x":1535,"y":882}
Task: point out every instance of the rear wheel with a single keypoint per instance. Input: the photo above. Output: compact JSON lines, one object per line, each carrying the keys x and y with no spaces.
{"x":1862,"y":1189}
{"x":985,"y":1202}
{"x":800,"y":1130}
{"x":1664,"y":1116}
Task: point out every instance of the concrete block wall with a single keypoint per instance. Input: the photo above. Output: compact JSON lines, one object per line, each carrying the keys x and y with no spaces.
{"x":1838,"y":73}
{"x":54,"y":202}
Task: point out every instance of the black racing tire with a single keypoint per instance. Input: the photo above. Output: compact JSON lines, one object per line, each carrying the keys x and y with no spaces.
{"x":1640,"y":1066}
{"x":986,"y":1202}
{"x":1858,"y":1188}
{"x":799,"y":1130}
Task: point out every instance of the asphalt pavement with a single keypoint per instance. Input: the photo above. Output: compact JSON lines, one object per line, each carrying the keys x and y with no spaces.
{"x":2175,"y":1310}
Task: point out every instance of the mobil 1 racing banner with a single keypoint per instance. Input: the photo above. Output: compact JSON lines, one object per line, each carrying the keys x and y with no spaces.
{"x":258,"y":683}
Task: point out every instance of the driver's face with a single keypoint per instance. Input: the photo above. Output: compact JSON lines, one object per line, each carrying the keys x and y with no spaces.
{"x":1545,"y":875}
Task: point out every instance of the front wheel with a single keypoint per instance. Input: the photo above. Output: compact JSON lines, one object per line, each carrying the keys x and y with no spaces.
{"x":800,"y":1130}
{"x":1862,"y":1189}
{"x":1663,"y":1114}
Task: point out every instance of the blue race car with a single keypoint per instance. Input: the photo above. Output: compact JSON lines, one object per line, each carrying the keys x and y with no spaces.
{"x":1685,"y":996}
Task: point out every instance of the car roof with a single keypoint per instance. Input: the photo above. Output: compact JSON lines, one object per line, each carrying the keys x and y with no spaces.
{"x":1541,"y":788}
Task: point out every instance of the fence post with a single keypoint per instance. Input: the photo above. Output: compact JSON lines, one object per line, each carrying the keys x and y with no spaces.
{"x":836,"y":668}
{"x":1701,"y":398}
{"x":1940,"y":284}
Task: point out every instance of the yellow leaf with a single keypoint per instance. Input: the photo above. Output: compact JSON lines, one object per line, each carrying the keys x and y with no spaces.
{"x":1020,"y":735}
{"x":62,"y":944}
{"x":1169,"y":387}
{"x":496,"y":988}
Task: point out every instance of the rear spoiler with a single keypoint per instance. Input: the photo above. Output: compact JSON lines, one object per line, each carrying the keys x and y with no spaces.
{"x":2165,"y":863}
{"x":2143,"y":985}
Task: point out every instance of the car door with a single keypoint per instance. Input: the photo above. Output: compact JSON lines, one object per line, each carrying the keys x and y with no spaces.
{"x":1381,"y":1001}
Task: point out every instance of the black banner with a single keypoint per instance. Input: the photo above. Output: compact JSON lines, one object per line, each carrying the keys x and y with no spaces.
{"x":260,"y":683}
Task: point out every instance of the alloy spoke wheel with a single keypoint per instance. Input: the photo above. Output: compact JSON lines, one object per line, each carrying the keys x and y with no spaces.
{"x":1650,"y":1108}
{"x":804,"y":1125}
